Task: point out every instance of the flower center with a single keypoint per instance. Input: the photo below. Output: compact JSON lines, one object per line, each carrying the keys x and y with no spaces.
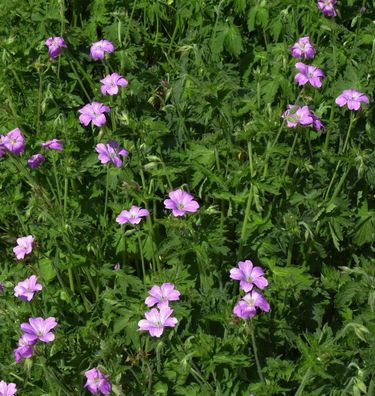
{"x":250,"y":302}
{"x":180,"y":206}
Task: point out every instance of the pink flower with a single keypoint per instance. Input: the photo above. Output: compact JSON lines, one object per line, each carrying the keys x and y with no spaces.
{"x":296,"y":115}
{"x":110,"y":152}
{"x":111,"y":84}
{"x":327,"y":7}
{"x":35,"y":160}
{"x":309,"y":74}
{"x":39,"y":329}
{"x":26,"y":289}
{"x":93,"y":112}
{"x":14,"y":141}
{"x":352,"y":99}
{"x":162,"y":294}
{"x":53,"y":144}
{"x":25,"y":349}
{"x":303,"y":49}
{"x":248,"y":275}
{"x":99,"y":48}
{"x":55,"y":44}
{"x":133,"y":215}
{"x":97,"y":382}
{"x":157,"y":319}
{"x":24,"y":247}
{"x":7,"y":389}
{"x":181,"y":202}
{"x":246,"y":307}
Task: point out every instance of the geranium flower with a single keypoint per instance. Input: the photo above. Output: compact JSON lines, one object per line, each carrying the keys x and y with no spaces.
{"x":35,"y":160}
{"x":111,"y":84}
{"x":246,"y":307}
{"x":98,"y":49}
{"x":24,"y":246}
{"x":352,"y":99}
{"x":7,"y":389}
{"x":327,"y":7}
{"x":248,"y":275}
{"x":133,"y":215}
{"x":157,"y":319}
{"x":97,"y":382}
{"x":309,"y":74}
{"x":296,"y":115}
{"x":14,"y":141}
{"x":26,"y":289}
{"x":54,"y":144}
{"x":39,"y":329}
{"x":111,"y":152}
{"x":25,"y":349}
{"x":162,"y":294}
{"x":55,"y":45}
{"x":93,"y":112}
{"x":303,"y":49}
{"x":181,"y":202}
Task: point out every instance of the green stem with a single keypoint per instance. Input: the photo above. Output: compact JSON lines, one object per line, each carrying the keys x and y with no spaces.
{"x":255,"y":350}
{"x":141,"y":254}
{"x":106,"y":194}
{"x":290,"y":155}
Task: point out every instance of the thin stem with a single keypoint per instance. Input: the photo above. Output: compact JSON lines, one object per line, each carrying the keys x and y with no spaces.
{"x":141,"y":254}
{"x":290,"y":155}
{"x":255,"y":350}
{"x":106,"y":194}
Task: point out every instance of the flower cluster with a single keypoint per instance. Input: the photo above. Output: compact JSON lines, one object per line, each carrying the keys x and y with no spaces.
{"x":37,"y":329}
{"x":250,"y":276}
{"x":302,"y":115}
{"x":159,"y":318}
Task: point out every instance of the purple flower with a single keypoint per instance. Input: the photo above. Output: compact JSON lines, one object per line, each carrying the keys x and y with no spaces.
{"x":116,"y":267}
{"x":352,"y":99}
{"x":309,"y":74}
{"x":39,"y":329}
{"x":25,"y":349}
{"x":24,"y":246}
{"x":93,"y":112}
{"x":35,"y":160}
{"x":248,"y":275}
{"x":3,"y":149}
{"x":55,"y":45}
{"x":246,"y":307}
{"x":14,"y":142}
{"x":162,"y":294}
{"x":98,"y":49}
{"x":303,"y":49}
{"x":110,"y":152}
{"x":7,"y":389}
{"x":111,"y":84}
{"x":181,"y":202}
{"x":317,"y":122}
{"x":54,"y":144}
{"x":26,"y":289}
{"x":296,"y":115}
{"x":97,"y":382}
{"x":327,"y":7}
{"x":133,"y":215}
{"x":157,"y":319}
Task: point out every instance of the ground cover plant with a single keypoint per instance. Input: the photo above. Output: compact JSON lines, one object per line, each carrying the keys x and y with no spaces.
{"x":187,"y":197}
